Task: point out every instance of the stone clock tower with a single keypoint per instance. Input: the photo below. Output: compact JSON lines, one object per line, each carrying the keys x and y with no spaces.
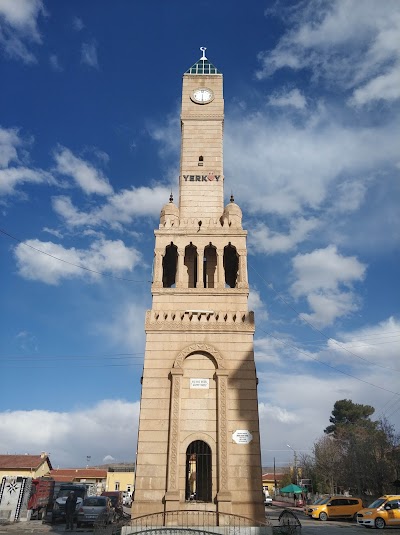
{"x":199,"y":441}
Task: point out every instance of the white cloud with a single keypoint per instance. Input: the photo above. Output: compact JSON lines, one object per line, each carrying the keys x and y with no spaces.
{"x":89,"y":430}
{"x":325,"y":278}
{"x":12,"y":171}
{"x":63,"y":206}
{"x":292,"y":98}
{"x":294,"y":167}
{"x":77,"y":24}
{"x":328,"y":305}
{"x":89,"y":55}
{"x":126,"y":327}
{"x":295,"y":407}
{"x":255,"y":303}
{"x":18,"y":28}
{"x":9,"y":142}
{"x":121,"y":208}
{"x":375,"y":343}
{"x":262,"y":239}
{"x":325,"y":269}
{"x":383,"y":87}
{"x":104,"y":256}
{"x":55,"y":63}
{"x":353,"y":44}
{"x":268,"y":349}
{"x":90,"y":179}
{"x":276,"y":413}
{"x":53,"y":232}
{"x":350,"y":195}
{"x":11,"y":178}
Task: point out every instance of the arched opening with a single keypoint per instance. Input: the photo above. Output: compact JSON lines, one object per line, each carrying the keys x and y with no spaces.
{"x":231,"y":265}
{"x":198,"y":472}
{"x":169,"y":264}
{"x":190,"y":262}
{"x":210,"y":266}
{"x":201,"y":161}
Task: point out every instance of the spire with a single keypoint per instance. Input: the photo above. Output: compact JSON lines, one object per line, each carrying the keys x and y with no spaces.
{"x":203,"y":66}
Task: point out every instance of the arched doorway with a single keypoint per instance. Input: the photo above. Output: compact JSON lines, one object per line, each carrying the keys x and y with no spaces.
{"x":198,"y":472}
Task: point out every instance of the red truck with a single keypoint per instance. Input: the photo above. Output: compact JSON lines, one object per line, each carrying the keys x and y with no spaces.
{"x":42,"y":491}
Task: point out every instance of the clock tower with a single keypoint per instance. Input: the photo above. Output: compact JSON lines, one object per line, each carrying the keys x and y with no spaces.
{"x":198,"y":440}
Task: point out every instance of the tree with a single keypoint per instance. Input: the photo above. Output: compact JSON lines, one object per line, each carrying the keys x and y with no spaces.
{"x":328,"y":457}
{"x":286,"y":478}
{"x":347,"y":414}
{"x":357,"y":454}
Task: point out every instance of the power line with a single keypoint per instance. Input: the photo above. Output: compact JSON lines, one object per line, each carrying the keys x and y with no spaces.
{"x":70,"y":357}
{"x":69,"y":263}
{"x":329,"y":365}
{"x":76,"y":366}
{"x":318,"y":330}
{"x":383,"y":334}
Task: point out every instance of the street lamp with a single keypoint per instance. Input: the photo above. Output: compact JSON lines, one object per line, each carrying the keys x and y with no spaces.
{"x":295,"y":464}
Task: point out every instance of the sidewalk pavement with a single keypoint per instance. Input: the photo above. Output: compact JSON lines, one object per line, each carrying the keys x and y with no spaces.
{"x":37,"y":526}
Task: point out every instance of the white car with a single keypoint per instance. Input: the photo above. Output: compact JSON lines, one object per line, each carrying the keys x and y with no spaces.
{"x":267,"y":500}
{"x":127,"y":500}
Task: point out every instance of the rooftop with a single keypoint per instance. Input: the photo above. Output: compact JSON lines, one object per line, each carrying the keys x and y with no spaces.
{"x":203,"y":66}
{"x":25,"y":462}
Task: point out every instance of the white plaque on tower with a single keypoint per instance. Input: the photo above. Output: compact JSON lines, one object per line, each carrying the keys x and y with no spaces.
{"x":199,"y":383}
{"x":242,"y":436}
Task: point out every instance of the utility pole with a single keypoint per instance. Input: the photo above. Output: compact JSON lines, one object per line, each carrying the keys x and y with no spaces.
{"x":296,"y":475}
{"x":275,"y":483}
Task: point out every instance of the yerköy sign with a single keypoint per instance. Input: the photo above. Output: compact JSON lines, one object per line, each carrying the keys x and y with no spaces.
{"x":201,"y":178}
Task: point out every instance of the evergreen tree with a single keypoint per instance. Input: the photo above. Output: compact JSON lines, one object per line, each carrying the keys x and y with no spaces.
{"x":347,"y":415}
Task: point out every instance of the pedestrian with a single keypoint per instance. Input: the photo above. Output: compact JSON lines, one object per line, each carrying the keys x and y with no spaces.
{"x":70,"y":507}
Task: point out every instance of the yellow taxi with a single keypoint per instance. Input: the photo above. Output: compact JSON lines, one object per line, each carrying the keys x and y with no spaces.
{"x":308,"y":508}
{"x":336,"y":507}
{"x":385,"y":511}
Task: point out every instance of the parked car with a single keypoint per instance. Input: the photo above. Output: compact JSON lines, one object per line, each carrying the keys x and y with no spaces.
{"x":385,"y":511}
{"x":116,"y":498}
{"x":127,"y":499}
{"x":58,"y":511}
{"x":337,"y":507}
{"x":267,"y":500}
{"x":94,"y":509}
{"x":308,"y":507}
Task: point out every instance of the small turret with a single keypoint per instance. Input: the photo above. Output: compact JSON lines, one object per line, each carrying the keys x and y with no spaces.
{"x":169,"y":216}
{"x":232,"y":216}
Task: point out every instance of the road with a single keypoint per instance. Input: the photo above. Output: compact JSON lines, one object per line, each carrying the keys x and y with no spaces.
{"x":310,"y":526}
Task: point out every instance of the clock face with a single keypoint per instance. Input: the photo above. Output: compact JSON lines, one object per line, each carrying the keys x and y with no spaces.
{"x":202,"y":95}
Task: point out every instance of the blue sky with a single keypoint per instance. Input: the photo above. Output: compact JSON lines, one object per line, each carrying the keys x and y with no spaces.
{"x":89,"y":152}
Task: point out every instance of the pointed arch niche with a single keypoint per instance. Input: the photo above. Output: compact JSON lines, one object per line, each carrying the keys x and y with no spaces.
{"x":190,"y":262}
{"x":231,"y":265}
{"x":210,"y":266}
{"x":169,"y":265}
{"x":198,"y":424}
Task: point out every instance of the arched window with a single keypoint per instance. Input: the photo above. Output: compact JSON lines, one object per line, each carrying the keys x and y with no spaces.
{"x":190,"y":262}
{"x":169,"y":265}
{"x":210,"y":266}
{"x":198,"y":472}
{"x":201,"y":160}
{"x":231,"y":265}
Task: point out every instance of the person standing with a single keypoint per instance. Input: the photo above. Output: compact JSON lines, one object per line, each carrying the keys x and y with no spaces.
{"x":70,"y":507}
